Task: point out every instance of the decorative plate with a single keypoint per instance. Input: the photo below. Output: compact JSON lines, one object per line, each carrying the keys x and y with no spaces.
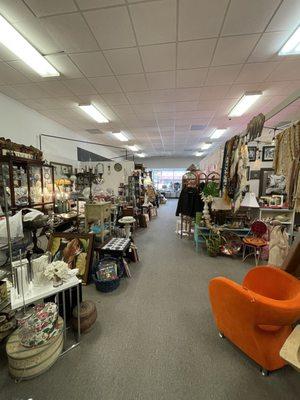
{"x":118,"y":167}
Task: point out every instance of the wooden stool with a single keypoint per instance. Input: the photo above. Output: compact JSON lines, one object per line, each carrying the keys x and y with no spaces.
{"x":88,"y":316}
{"x":29,"y":362}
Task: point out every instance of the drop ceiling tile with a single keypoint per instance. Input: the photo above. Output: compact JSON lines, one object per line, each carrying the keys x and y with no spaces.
{"x":90,"y":4}
{"x":191,"y":94}
{"x":80,"y":86}
{"x":159,"y":57}
{"x":214,"y":92}
{"x":55,"y":88}
{"x":209,"y":105}
{"x":154,"y":22}
{"x":71,"y":32}
{"x":186,"y":105}
{"x":191,"y":77}
{"x":9,"y":76}
{"x":14,"y":10}
{"x":222,"y":75}
{"x":256,"y":72}
{"x":115,"y":99}
{"x":124,"y":61}
{"x":139,"y":97}
{"x":64,"y":65}
{"x":123,"y":110}
{"x":161,"y":80}
{"x":269,"y":45}
{"x":246,"y":16}
{"x":106,"y":84}
{"x":195,"y":54}
{"x":146,"y":109}
{"x":286,"y":71}
{"x":132,"y":83}
{"x":111,"y":27}
{"x":28,"y":91}
{"x":287,"y":17}
{"x":234,"y":49}
{"x":91,"y":64}
{"x":41,"y":8}
{"x":165,"y":115}
{"x":161,"y":96}
{"x":200,"y":19}
{"x":164,"y":107}
{"x":36,"y":33}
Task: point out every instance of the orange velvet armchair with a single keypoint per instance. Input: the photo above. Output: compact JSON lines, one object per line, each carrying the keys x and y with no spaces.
{"x":257,"y":316}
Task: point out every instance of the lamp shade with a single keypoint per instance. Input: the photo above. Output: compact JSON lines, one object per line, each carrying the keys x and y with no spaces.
{"x":250,"y":200}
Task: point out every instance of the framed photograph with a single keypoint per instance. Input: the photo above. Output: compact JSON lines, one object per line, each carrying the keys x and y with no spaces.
{"x":255,"y":174}
{"x":74,"y":249}
{"x":268,"y":153}
{"x":61,"y":170}
{"x":252,"y":153}
{"x":270,"y":183}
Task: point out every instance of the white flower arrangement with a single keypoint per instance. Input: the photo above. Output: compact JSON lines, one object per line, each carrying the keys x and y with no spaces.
{"x":207,"y":199}
{"x":57,"y":269}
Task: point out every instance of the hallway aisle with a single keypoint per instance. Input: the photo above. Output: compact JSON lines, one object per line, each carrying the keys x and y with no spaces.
{"x":155,"y":338}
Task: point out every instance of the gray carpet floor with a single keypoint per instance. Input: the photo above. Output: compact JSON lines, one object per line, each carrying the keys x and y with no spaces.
{"x":155,"y":337}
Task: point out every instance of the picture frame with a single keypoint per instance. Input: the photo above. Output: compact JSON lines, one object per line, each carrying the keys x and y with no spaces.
{"x":255,"y":174}
{"x":270,"y":183}
{"x":268,"y":153}
{"x":61,"y":169}
{"x":75,"y":249}
{"x":252,"y":153}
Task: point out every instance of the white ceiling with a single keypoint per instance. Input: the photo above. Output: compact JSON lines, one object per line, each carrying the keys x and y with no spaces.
{"x":154,"y":67}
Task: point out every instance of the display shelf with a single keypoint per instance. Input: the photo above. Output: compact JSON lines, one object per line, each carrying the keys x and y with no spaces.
{"x":272,"y":213}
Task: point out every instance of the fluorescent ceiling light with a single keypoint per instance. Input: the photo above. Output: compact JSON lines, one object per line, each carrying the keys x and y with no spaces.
{"x":218,"y":133}
{"x":205,"y":146}
{"x":121,"y":136}
{"x":244,"y":103}
{"x":18,"y":45}
{"x":199,"y":153}
{"x":94,"y":113}
{"x":292,"y":46}
{"x":133,"y":148}
{"x":141,"y":155}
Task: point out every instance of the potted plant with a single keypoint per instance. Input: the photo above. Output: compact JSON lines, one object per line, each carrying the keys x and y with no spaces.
{"x":213,"y":242}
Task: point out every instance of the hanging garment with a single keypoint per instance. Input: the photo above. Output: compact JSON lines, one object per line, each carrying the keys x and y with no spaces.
{"x":242,"y":175}
{"x":189,"y":202}
{"x":278,"y":246}
{"x":255,"y":127}
{"x":286,"y":162}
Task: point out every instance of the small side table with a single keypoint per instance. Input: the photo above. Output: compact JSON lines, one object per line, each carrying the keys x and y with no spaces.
{"x":42,"y":292}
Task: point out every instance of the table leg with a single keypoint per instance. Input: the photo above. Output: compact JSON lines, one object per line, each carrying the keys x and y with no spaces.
{"x":78,"y":314}
{"x":65,"y":318}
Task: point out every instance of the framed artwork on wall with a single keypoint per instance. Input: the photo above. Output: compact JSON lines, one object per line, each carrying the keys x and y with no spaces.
{"x":268,"y":153}
{"x":269,"y":183}
{"x":61,"y":170}
{"x":252,"y":153}
{"x":74,"y":249}
{"x":255,"y":174}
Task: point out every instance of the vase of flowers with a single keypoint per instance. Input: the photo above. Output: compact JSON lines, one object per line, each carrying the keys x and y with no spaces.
{"x":57,"y":272}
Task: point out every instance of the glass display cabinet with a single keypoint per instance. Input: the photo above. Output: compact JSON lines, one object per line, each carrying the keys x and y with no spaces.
{"x":28,"y":183}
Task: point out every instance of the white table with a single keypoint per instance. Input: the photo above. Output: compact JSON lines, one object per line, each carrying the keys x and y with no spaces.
{"x":41,"y":292}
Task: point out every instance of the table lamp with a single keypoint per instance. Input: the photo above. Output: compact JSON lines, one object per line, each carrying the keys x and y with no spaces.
{"x":249,"y":201}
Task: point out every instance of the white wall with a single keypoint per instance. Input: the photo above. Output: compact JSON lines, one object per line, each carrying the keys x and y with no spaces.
{"x":24,"y":125}
{"x":168,"y":162}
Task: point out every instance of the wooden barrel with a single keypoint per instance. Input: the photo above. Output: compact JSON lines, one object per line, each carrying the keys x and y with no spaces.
{"x":29,"y":362}
{"x":88,"y":316}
